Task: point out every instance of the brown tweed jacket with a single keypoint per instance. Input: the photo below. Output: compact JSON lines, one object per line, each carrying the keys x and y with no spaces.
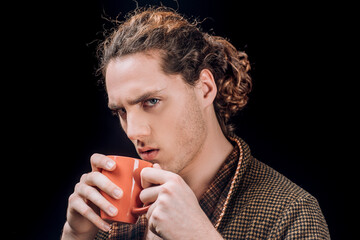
{"x":249,"y":200}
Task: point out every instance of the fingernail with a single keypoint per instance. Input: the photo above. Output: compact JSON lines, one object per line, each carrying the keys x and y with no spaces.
{"x":156,"y":165}
{"x":106,"y":227}
{"x":110,"y":164}
{"x":112,"y":211}
{"x":117,"y":193}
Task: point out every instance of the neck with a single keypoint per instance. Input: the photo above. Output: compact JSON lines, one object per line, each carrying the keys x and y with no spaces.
{"x":216,"y":148}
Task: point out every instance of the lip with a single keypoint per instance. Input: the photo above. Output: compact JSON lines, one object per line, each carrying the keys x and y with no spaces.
{"x":148,"y":153}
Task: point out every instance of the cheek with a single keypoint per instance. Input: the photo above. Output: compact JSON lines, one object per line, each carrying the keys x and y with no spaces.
{"x":184,"y":133}
{"x":190,"y":130}
{"x":167,"y":127}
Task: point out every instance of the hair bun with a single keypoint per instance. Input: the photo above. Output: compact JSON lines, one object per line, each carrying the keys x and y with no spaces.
{"x":230,"y":71}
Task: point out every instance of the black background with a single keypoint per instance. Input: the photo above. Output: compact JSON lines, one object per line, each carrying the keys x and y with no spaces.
{"x":55,"y":116}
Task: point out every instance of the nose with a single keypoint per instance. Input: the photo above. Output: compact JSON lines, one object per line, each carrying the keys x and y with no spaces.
{"x":137,"y":127}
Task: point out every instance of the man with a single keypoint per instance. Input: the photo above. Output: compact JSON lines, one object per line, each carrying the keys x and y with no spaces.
{"x":174,"y":89}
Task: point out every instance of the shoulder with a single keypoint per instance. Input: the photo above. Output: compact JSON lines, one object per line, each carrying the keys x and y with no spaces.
{"x":296,"y":212}
{"x":267,"y":204}
{"x":259,"y":180}
{"x":262,"y":181}
{"x":266,"y":188}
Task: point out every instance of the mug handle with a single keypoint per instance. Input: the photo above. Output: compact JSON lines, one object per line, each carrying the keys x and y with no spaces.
{"x":140,"y":211}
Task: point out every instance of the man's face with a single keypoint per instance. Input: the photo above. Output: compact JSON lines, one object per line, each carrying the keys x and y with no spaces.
{"x":160,"y":113}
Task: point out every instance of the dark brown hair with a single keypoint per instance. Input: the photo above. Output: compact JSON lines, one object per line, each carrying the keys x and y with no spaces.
{"x":185,"y":50}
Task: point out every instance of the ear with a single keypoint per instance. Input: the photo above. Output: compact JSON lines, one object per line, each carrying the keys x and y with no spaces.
{"x":206,"y":88}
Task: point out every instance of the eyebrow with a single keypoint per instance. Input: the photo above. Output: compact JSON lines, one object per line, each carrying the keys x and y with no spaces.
{"x":137,"y":100}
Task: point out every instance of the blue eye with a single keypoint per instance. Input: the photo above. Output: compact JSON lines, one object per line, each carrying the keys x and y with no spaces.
{"x":151,"y":102}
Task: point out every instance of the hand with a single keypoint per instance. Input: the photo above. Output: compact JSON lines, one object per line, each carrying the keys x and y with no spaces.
{"x":175,"y":212}
{"x":83,"y":211}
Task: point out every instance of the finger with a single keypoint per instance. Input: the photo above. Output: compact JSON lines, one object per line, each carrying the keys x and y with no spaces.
{"x":146,"y":184}
{"x":82,"y":208}
{"x":149,"y":195}
{"x":150,"y":176}
{"x":153,"y":221}
{"x":100,"y":181}
{"x":93,"y":195}
{"x":150,"y":210}
{"x":100,"y":161}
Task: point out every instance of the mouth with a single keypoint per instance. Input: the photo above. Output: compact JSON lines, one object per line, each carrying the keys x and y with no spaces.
{"x":147,"y":153}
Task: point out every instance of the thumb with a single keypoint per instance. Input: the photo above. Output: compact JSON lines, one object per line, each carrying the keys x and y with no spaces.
{"x":157,"y":166}
{"x":144,"y":183}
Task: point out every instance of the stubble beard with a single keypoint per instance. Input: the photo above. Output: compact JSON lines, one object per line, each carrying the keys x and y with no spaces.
{"x":191,"y":134}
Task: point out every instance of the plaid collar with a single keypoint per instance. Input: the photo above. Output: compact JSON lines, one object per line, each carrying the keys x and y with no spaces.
{"x":215,"y":199}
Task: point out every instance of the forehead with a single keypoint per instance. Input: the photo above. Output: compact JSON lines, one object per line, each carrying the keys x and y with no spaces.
{"x":131,"y":70}
{"x":137,"y":74}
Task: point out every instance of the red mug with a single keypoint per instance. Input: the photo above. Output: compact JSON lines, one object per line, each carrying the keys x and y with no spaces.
{"x":126,"y":176}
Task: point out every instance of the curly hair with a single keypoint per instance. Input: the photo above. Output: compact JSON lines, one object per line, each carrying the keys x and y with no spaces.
{"x":185,"y":50}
